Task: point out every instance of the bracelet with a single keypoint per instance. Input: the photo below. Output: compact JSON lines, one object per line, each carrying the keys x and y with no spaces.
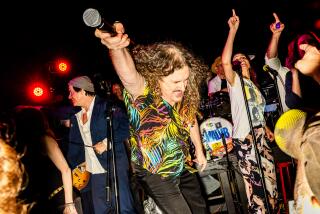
{"x":68,"y":204}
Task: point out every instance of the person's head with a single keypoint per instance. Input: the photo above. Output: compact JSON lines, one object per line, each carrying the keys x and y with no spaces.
{"x":297,"y":134}
{"x":217,"y":68}
{"x":31,"y":126}
{"x":172,"y":72}
{"x":309,"y":65}
{"x":246,"y":68}
{"x":117,"y":89}
{"x":81,"y":91}
{"x":7,"y":128}
{"x":294,"y":51}
{"x":11,"y":180}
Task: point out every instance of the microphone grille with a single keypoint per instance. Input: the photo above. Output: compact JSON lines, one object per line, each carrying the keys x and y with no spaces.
{"x":91,"y":17}
{"x":288,"y":132}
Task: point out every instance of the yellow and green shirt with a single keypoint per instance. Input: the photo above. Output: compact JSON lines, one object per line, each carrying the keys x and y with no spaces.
{"x":159,"y":138}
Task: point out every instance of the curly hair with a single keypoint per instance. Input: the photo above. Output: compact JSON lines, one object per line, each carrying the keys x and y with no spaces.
{"x":293,"y":47}
{"x":161,"y":59}
{"x":11,"y":180}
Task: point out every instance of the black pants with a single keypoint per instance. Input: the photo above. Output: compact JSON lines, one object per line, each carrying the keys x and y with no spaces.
{"x":174,"y":195}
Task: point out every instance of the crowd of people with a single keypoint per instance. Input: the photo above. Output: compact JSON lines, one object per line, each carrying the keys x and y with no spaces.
{"x":144,"y":141}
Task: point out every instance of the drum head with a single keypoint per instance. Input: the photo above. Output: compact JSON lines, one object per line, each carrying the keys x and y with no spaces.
{"x":213,"y":132}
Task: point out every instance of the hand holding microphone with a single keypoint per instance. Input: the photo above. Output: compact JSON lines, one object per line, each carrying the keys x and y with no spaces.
{"x":92,"y":18}
{"x":112,"y":36}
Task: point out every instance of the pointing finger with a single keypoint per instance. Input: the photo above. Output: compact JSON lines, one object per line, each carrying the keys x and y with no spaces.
{"x":276,"y":17}
{"x":233,"y":12}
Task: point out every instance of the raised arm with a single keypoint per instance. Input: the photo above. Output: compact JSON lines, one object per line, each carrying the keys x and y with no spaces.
{"x":233,"y":23}
{"x":276,"y":29}
{"x":121,"y":59}
{"x":60,"y":162}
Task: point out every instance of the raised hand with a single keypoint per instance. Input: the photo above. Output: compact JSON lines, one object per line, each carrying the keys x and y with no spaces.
{"x":276,"y":26}
{"x":234,"y":21}
{"x":118,"y":41}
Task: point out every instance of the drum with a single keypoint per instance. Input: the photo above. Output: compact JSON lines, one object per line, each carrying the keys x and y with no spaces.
{"x":215,"y":132}
{"x":220,"y":105}
{"x":205,"y":108}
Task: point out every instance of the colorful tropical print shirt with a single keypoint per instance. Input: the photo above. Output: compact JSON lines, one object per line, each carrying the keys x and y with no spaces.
{"x":158,"y":136}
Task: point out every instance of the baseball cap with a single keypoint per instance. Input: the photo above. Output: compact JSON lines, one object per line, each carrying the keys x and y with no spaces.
{"x":83,"y":82}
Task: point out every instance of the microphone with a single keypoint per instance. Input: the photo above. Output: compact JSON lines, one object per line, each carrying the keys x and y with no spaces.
{"x":236,"y":66}
{"x":92,"y":18}
{"x":270,"y":70}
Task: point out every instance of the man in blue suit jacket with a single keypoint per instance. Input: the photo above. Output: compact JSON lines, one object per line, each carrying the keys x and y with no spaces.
{"x":88,"y":142}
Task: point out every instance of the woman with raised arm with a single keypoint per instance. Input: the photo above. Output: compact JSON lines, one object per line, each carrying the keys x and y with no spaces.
{"x":49,"y":176}
{"x":273,"y":61}
{"x":243,"y":135}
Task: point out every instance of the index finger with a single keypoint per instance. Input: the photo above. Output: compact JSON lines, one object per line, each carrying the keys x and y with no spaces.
{"x":276,"y":17}
{"x":233,"y":12}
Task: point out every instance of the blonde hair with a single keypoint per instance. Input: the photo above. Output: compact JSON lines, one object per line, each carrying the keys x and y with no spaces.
{"x":11,"y":181}
{"x":217,"y":61}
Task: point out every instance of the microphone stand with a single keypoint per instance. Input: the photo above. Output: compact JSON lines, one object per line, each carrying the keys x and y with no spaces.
{"x":112,"y":178}
{"x":232,"y":177}
{"x":239,"y":72}
{"x":275,"y":75}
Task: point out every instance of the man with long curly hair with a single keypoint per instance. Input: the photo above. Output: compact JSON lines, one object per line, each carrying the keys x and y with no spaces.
{"x":161,"y":94}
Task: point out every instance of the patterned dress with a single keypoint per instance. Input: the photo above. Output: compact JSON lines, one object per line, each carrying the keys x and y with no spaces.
{"x":247,"y":160}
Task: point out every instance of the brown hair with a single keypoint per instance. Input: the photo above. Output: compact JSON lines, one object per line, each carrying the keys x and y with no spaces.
{"x":162,"y":59}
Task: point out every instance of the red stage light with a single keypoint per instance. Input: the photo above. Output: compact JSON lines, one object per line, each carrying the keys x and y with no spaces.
{"x":62,"y":66}
{"x":38,"y":92}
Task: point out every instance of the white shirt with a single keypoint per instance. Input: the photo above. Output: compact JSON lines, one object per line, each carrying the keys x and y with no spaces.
{"x":214,"y":85}
{"x":92,"y":163}
{"x":275,"y":64}
{"x":256,"y":102}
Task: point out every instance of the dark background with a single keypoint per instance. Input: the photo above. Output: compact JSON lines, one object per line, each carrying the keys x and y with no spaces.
{"x":36,"y":34}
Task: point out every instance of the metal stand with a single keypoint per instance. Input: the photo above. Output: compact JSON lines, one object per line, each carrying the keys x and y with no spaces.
{"x":235,"y":191}
{"x":111,"y":178}
{"x":239,"y":72}
{"x":275,"y":76}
